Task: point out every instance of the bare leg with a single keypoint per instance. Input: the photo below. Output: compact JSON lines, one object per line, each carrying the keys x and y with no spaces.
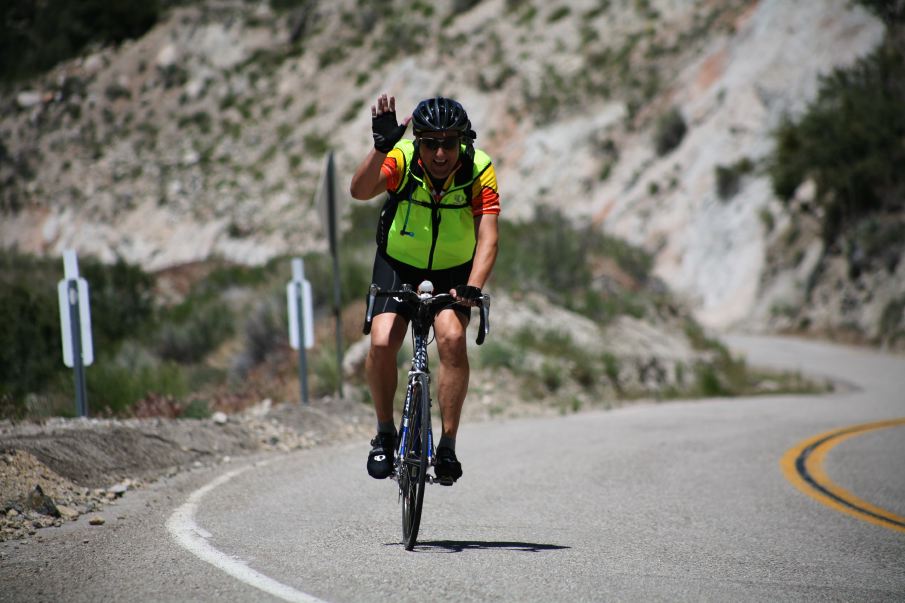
{"x":449,"y":328}
{"x":387,"y":335}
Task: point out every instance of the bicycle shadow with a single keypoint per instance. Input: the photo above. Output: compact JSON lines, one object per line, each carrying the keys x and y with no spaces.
{"x":459,"y":546}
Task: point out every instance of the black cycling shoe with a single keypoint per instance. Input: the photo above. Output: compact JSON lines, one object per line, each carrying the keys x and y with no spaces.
{"x":447,"y":467}
{"x":380,"y":459}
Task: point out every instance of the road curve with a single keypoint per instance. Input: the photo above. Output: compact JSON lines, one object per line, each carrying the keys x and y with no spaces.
{"x":682,"y":500}
{"x":673,"y":501}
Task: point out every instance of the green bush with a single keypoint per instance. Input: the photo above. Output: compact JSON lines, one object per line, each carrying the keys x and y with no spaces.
{"x":892,"y":12}
{"x":584,"y":372}
{"x":708,"y":381}
{"x":729,"y":178}
{"x":114,"y":388}
{"x":497,"y":354}
{"x":190,"y":340}
{"x":550,"y":255}
{"x":850,"y":142}
{"x":34,"y":36}
{"x":196,"y":409}
{"x":115,"y":91}
{"x":200,"y":119}
{"x":264,"y":330}
{"x":698,"y":337}
{"x":326,"y":372}
{"x":285,"y":5}
{"x":30,"y":342}
{"x":669,"y":131}
{"x":558,"y":14}
{"x":892,"y":323}
{"x":122,"y":301}
{"x":551,"y":375}
{"x":316,"y":144}
{"x":766,"y":218}
{"x":876,"y":240}
{"x":546,"y":253}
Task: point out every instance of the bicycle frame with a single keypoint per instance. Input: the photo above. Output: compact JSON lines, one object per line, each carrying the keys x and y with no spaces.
{"x":419,"y":371}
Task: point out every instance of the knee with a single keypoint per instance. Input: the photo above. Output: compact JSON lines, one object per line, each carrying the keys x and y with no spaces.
{"x":387,"y":335}
{"x":452,"y":346}
{"x":384,"y":347}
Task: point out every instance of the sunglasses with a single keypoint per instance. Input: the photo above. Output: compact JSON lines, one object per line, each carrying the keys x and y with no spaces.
{"x":433,"y":144}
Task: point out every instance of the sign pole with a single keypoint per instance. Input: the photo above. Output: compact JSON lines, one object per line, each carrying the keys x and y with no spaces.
{"x":299,"y":303}
{"x":334,"y":251}
{"x":81,"y":394}
{"x":303,"y":357}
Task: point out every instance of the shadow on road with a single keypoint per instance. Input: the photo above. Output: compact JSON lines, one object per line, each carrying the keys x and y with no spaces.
{"x":458,"y":546}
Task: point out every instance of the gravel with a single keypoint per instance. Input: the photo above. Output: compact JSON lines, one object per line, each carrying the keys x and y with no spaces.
{"x":56,"y":470}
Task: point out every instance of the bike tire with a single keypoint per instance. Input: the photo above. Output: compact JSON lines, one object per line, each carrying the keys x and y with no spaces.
{"x":413,"y":478}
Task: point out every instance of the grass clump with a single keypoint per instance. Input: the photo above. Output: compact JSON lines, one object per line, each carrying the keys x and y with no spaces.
{"x":114,"y":388}
{"x":559,"y":14}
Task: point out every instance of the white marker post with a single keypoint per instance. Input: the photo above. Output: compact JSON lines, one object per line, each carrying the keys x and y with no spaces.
{"x":75,"y":321}
{"x":301,"y":320}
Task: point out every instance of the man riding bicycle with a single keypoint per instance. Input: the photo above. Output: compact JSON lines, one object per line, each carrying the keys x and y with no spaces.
{"x":439,"y":223}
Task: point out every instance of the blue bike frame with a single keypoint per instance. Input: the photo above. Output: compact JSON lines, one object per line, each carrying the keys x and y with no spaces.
{"x":419,"y":372}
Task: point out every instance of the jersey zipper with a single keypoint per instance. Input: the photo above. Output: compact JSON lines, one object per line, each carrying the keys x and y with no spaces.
{"x":436,"y":197}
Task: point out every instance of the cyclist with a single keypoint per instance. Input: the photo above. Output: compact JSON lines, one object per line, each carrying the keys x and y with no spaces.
{"x":438,"y":223}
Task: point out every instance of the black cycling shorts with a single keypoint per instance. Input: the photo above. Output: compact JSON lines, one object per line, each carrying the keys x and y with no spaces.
{"x":390,"y":274}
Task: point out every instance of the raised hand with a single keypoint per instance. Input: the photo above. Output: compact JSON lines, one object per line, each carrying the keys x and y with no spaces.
{"x":386,"y":130}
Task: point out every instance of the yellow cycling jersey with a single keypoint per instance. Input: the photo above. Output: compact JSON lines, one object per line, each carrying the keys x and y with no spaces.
{"x":429,"y":233}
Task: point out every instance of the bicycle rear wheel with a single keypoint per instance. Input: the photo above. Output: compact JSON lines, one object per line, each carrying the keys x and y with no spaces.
{"x":413,"y":470}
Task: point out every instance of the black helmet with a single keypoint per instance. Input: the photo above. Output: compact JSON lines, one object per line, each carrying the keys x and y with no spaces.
{"x":441,"y":114}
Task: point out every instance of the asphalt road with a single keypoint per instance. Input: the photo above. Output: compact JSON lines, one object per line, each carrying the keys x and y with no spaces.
{"x":673,"y":501}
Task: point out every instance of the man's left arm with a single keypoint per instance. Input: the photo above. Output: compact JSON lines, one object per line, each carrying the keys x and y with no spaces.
{"x":487,"y":235}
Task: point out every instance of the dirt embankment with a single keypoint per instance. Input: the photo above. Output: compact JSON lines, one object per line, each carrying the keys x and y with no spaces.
{"x":55,"y":471}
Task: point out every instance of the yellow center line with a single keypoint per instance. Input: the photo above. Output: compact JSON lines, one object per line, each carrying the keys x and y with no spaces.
{"x":803,"y":466}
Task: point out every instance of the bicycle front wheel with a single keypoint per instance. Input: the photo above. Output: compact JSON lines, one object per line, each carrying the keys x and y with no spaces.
{"x":413,"y":473}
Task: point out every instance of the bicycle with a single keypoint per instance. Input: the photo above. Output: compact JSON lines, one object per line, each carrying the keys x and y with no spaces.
{"x":415,"y":443}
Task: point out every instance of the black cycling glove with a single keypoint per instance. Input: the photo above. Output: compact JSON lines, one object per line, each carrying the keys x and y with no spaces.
{"x":468,"y":293}
{"x":386,"y":131}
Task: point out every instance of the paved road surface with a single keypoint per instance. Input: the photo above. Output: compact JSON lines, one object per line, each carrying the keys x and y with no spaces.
{"x":675,"y":501}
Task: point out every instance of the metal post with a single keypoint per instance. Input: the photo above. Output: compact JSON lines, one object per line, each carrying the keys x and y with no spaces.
{"x":303,"y":360}
{"x":81,"y":395}
{"x":339,"y":325}
{"x":337,"y":293}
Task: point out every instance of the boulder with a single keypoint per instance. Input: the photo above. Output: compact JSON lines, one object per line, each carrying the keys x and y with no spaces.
{"x":41,"y":503}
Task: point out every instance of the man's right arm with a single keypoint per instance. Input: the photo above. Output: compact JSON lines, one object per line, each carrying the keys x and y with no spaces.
{"x":369,"y":180}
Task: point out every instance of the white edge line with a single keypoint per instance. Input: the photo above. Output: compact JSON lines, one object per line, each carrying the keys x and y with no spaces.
{"x":191,"y":537}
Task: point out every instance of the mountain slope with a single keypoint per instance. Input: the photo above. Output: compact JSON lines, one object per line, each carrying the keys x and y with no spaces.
{"x":206,"y":136}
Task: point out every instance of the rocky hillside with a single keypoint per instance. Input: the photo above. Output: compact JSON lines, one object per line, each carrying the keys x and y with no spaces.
{"x":206,"y":136}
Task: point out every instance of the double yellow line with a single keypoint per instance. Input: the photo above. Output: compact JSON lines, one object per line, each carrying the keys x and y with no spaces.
{"x":803,"y":466}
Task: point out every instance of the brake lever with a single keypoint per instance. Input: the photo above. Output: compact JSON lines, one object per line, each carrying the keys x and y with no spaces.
{"x":372,"y":296}
{"x":484,"y":327}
